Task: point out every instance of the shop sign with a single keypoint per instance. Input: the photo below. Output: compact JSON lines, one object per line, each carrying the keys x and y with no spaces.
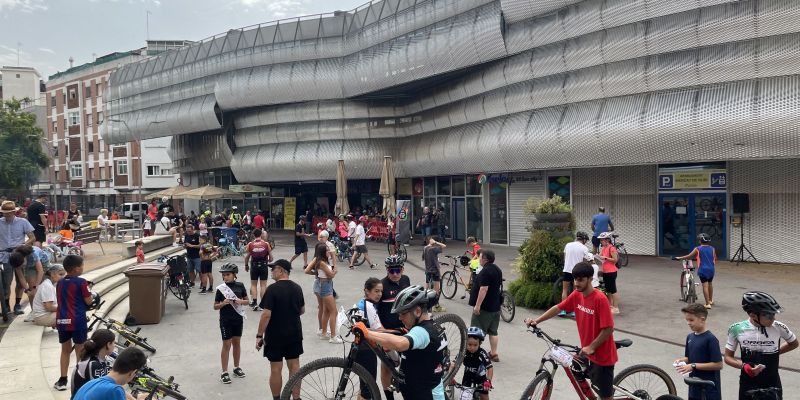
{"x":693,"y":179}
{"x":289,"y":210}
{"x":498,"y":179}
{"x":247,"y":189}
{"x":527,"y":177}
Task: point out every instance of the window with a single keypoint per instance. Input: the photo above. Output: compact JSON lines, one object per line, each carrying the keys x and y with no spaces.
{"x":72,"y":94}
{"x":166,"y":171}
{"x":55,"y":151}
{"x":88,"y":92}
{"x":99,"y":118}
{"x":102,"y":173}
{"x":90,"y":147}
{"x":53,"y":101}
{"x":74,"y":118}
{"x":76,"y":170}
{"x":18,"y":76}
{"x":64,"y":98}
{"x":91,"y":173}
{"x":55,"y":126}
{"x":88,"y":120}
{"x":109,"y":171}
{"x":99,"y":90}
{"x":122,"y":167}
{"x":56,"y":176}
{"x":153,"y":170}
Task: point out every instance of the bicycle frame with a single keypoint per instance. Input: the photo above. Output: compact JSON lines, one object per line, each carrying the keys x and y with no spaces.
{"x":397,"y":377}
{"x":456,"y":267}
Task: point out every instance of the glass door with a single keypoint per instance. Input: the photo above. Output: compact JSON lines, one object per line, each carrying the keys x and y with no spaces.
{"x":458,"y":222}
{"x":684,"y":216}
{"x":709,"y":218}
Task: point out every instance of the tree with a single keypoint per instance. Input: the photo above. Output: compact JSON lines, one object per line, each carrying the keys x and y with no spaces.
{"x":21,"y":154}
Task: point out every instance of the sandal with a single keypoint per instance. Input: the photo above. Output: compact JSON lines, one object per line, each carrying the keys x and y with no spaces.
{"x":495,"y":358}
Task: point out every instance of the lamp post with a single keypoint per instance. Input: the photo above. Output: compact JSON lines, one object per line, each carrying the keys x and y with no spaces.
{"x":138,"y":141}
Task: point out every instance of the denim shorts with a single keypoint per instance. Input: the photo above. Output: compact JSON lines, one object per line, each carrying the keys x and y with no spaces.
{"x":193,"y":264}
{"x":426,"y":230}
{"x":323,"y":288}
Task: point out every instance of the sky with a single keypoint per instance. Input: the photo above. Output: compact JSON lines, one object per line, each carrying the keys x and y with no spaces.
{"x":49,"y":32}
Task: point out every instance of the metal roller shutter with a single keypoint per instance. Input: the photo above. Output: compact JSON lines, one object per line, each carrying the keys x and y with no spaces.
{"x":523,"y":186}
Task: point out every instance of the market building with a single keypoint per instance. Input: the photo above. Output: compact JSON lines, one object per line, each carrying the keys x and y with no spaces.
{"x":660,"y":111}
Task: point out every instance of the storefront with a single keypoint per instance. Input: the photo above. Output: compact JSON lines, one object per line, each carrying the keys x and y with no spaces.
{"x":460,"y":197}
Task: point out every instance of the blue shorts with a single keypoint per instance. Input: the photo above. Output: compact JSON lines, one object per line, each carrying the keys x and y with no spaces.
{"x":426,"y":230}
{"x":323,"y":288}
{"x":193,"y":264}
{"x":77,"y":336}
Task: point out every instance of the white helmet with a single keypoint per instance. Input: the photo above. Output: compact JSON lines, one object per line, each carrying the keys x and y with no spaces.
{"x":164,"y":199}
{"x":604,"y":235}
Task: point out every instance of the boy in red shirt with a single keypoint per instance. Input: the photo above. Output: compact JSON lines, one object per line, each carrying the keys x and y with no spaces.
{"x":595,"y":327}
{"x":139,"y":251}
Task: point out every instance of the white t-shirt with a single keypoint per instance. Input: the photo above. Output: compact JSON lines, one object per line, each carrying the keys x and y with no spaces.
{"x":45,"y":292}
{"x":162,"y":227}
{"x":331,"y":249}
{"x":574,"y":253}
{"x":361,"y":236}
{"x":330,"y":226}
{"x":351,"y":229}
{"x":372,"y":315}
{"x":102,"y":220}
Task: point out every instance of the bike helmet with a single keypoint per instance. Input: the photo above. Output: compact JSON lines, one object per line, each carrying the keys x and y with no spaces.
{"x":229,"y":267}
{"x":758,"y":302}
{"x":363,"y":218}
{"x":411,"y":297}
{"x":319,"y":224}
{"x":164,"y":199}
{"x":235,"y":208}
{"x":581,"y":235}
{"x":703,"y":238}
{"x":604,"y":235}
{"x":476,"y":332}
{"x":393,"y":261}
{"x":464,"y":260}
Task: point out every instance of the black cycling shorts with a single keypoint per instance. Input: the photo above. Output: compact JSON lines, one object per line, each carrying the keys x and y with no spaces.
{"x":40,"y":234}
{"x":230,"y":328}
{"x":610,"y":282}
{"x":603,"y":378}
{"x":277,"y":352}
{"x":567,"y":277}
{"x":259,"y":270}
{"x":205,"y":266}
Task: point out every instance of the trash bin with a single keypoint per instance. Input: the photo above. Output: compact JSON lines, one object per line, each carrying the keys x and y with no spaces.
{"x":147,"y":287}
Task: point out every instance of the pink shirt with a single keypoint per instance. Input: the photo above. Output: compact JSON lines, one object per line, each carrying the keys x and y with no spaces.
{"x":139,"y":255}
{"x":608,"y":265}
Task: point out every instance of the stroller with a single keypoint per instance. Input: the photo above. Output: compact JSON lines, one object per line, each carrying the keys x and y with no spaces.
{"x":343,"y":248}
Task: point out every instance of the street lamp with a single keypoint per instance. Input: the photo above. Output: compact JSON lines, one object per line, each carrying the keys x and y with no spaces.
{"x":138,"y":140}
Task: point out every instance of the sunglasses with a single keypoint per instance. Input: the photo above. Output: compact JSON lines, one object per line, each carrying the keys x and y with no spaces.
{"x":395,"y":270}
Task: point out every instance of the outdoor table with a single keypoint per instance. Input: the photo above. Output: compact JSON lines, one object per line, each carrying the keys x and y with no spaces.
{"x":120,"y":223}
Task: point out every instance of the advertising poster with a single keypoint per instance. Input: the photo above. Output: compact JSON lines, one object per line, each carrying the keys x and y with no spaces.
{"x":289,"y":212}
{"x":403,"y":220}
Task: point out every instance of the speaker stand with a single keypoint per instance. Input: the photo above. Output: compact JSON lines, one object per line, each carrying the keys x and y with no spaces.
{"x":739,"y":255}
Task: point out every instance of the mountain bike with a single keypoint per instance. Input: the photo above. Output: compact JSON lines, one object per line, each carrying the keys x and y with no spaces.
{"x":335,"y":378}
{"x":687,"y":283}
{"x":452,"y":279}
{"x":155,"y":387}
{"x":130,"y":335}
{"x":622,"y":260}
{"x":638,"y":382}
{"x":177,"y":278}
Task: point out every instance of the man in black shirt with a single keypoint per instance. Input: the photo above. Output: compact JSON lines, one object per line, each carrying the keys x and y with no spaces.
{"x":485,"y":299}
{"x":280,"y":331}
{"x":37,"y":216}
{"x":191,"y":241}
{"x":394,"y":282}
{"x":300,"y":245}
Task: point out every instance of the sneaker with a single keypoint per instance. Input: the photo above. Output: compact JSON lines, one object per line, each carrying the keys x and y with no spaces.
{"x":253,"y":304}
{"x":237,"y":372}
{"x":495,"y":358}
{"x":61,"y":384}
{"x":225,"y":378}
{"x":257,"y":308}
{"x":321,"y":335}
{"x":707,"y":306}
{"x":18,"y":309}
{"x":202,"y":290}
{"x":562,"y":314}
{"x":373,"y":266}
{"x":614,"y":310}
{"x":335,"y":340}
{"x":572,"y":315}
{"x":191,"y":284}
{"x":351,"y":267}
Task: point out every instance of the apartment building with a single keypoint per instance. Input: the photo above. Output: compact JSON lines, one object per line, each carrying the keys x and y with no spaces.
{"x":20,"y":83}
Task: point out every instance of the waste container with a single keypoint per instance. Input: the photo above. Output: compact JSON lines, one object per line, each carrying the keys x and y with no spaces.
{"x":147,"y":288}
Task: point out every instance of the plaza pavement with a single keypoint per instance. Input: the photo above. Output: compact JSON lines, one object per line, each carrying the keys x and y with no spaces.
{"x":188,"y":341}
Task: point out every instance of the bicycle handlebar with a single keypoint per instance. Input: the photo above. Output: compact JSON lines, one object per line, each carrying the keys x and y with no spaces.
{"x":542,"y":334}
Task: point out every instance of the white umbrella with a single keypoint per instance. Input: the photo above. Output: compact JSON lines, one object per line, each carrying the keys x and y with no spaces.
{"x":168,"y":192}
{"x":341,"y":207}
{"x":387,"y":187}
{"x":209,"y":192}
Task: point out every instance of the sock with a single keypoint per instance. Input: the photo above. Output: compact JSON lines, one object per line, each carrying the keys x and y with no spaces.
{"x":389,"y":394}
{"x":19,"y":299}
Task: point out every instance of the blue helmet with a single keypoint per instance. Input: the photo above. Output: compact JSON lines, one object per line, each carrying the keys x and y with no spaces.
{"x":476,"y":332}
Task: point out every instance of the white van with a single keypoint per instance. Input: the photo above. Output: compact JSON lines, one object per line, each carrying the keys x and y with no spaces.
{"x":132,"y":210}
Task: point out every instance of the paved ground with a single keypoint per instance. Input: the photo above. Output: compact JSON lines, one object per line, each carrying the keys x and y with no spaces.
{"x":188,"y":341}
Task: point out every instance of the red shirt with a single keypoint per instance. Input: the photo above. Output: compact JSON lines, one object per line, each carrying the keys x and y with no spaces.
{"x":139,"y":255}
{"x":258,"y":221}
{"x":593,"y":314}
{"x":475,"y":248}
{"x":608,"y":266}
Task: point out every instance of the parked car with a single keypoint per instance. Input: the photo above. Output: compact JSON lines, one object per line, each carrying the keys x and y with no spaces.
{"x":132,"y":210}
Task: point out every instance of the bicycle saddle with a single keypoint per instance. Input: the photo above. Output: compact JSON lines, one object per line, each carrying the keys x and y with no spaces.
{"x":623,"y":343}
{"x":699,"y":382}
{"x":615,"y":236}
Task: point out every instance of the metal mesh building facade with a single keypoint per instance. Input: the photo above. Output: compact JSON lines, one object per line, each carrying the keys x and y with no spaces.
{"x":605,"y":92}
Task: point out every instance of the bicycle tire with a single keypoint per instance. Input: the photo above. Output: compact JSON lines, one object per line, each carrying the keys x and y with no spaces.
{"x":623,"y":256}
{"x":642,"y":392}
{"x":684,"y":287}
{"x":183,"y":290}
{"x":691,"y":295}
{"x":508,"y":307}
{"x":668,"y":397}
{"x":542,"y":381}
{"x":137,"y":341}
{"x":360,"y":259}
{"x":329,"y":393}
{"x":166,"y":391}
{"x":453,"y":326}
{"x":449,"y":285}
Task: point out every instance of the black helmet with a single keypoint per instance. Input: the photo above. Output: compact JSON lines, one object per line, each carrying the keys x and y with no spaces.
{"x":758,"y":302}
{"x":703,"y":238}
{"x":229,"y":267}
{"x":393,"y":261}
{"x":464,"y":260}
{"x":581,"y":235}
{"x":413,"y":296}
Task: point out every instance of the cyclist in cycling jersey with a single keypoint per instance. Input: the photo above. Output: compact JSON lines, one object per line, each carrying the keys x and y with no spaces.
{"x":422,"y":348}
{"x":759,"y":337}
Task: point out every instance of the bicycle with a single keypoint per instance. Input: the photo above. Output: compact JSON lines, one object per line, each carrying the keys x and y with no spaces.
{"x":229,"y":243}
{"x":330,"y":378}
{"x":130,"y":335}
{"x":177,"y":278}
{"x":771,"y":393}
{"x":397,"y":248}
{"x":687,"y":282}
{"x":466,"y":392}
{"x":622,"y":260}
{"x":155,"y":387}
{"x":567,"y":356}
{"x":451,"y":279}
{"x":344,"y":252}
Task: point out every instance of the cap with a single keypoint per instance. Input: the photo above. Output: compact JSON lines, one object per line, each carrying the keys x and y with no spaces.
{"x":285,"y":264}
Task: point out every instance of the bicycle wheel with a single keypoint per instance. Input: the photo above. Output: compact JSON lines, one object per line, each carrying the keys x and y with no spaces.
{"x":623,"y":256}
{"x":684,"y":287}
{"x":540,"y":387}
{"x":669,"y":397}
{"x":456,"y":331}
{"x":507,"y":306}
{"x":360,"y":259}
{"x":691,"y":291}
{"x":183,"y":292}
{"x":320,"y":379}
{"x":645,"y":381}
{"x":558,"y":286}
{"x":164,"y":390}
{"x":135,"y":339}
{"x":449,"y":285}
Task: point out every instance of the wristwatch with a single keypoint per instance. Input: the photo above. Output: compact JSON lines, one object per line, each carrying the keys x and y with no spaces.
{"x":694,"y":366}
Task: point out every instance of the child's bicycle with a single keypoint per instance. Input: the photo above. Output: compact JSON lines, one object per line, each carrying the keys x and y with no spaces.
{"x":688,"y":283}
{"x":457,"y":391}
{"x":638,"y":382}
{"x":452,"y":279}
{"x":154,"y":386}
{"x":772,"y":393}
{"x":229,"y":243}
{"x":331,"y":378}
{"x":124,"y":331}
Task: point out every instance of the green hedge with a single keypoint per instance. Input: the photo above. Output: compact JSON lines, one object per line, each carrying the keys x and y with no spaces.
{"x":532,"y":294}
{"x":541,"y":256}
